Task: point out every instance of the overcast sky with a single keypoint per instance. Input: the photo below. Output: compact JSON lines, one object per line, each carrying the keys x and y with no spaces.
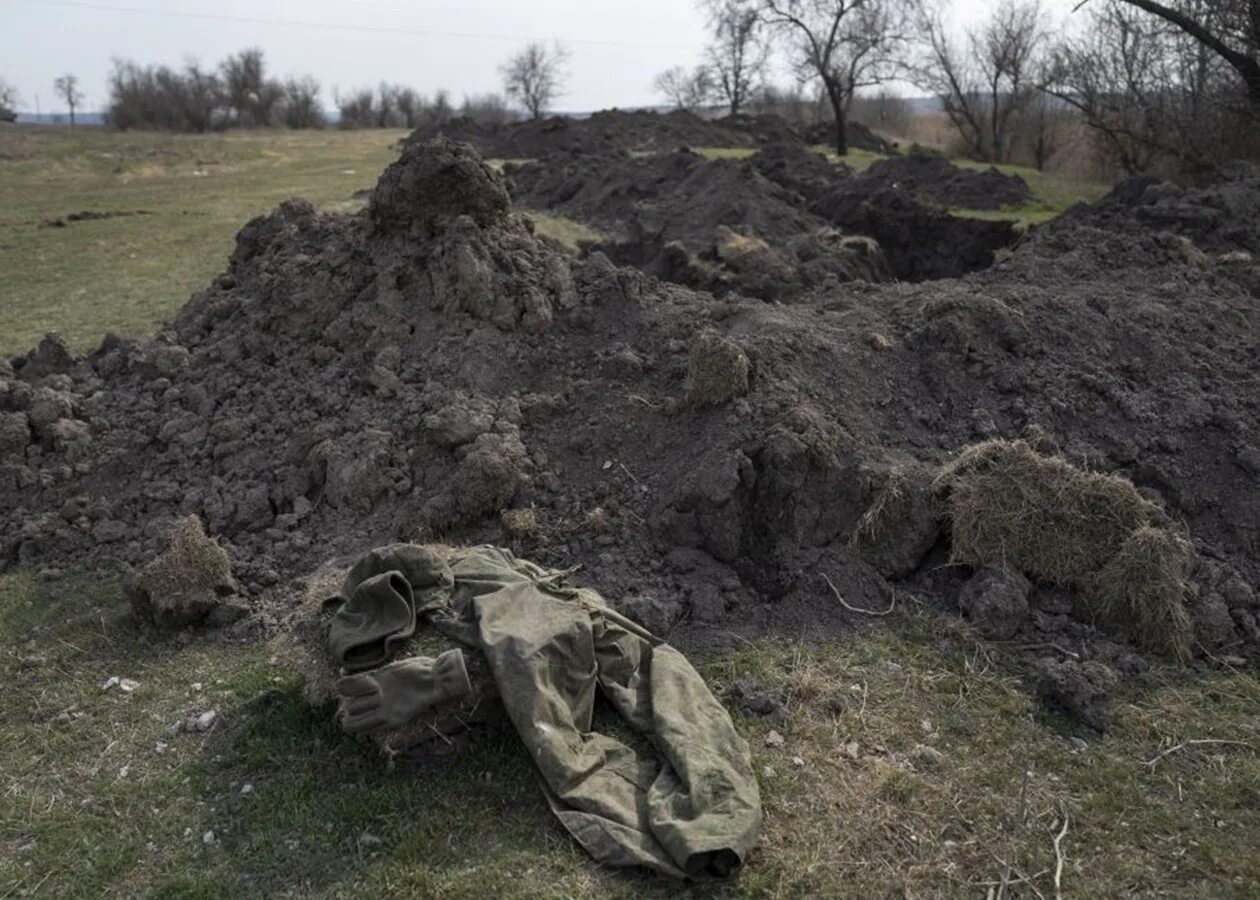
{"x":616,"y":47}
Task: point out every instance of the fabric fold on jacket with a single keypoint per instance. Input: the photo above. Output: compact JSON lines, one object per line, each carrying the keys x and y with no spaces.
{"x":693,"y":810}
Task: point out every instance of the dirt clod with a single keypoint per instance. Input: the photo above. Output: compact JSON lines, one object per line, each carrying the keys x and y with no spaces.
{"x":997,"y":601}
{"x":1080,"y":689}
{"x":189,"y":582}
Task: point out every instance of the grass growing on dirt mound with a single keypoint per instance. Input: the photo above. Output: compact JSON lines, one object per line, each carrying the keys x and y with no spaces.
{"x":901,"y":771}
{"x":1012,"y":505}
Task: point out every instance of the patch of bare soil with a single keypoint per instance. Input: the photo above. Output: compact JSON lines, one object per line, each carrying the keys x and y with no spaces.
{"x":421,"y":367}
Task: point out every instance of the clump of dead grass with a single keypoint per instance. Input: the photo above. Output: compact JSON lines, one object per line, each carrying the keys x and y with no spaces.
{"x":301,"y":646}
{"x":1144,"y":587}
{"x":729,"y":244}
{"x":187,"y":581}
{"x":520,"y":524}
{"x":718,"y":370}
{"x":1012,"y":504}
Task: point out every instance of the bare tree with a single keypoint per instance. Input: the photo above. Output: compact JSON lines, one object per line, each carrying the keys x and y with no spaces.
{"x":986,"y":87}
{"x":301,"y":103}
{"x":1230,"y":29}
{"x":383,"y":114}
{"x":439,"y":110}
{"x":844,"y":44}
{"x":488,"y":109}
{"x":737,"y":57}
{"x":683,"y":89}
{"x":885,"y":110}
{"x":408,"y":103}
{"x":198,"y":95}
{"x":1152,"y":95}
{"x":356,"y":109}
{"x":67,"y":87}
{"x":252,"y":97}
{"x":1044,"y":128}
{"x":8,"y":100}
{"x":535,"y":76}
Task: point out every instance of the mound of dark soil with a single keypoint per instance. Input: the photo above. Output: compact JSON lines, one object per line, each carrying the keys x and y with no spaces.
{"x":1219,"y":219}
{"x":800,"y":169}
{"x":711,"y":225}
{"x":939,"y":181}
{"x":418,"y":368}
{"x":608,"y":131}
{"x":860,"y":137}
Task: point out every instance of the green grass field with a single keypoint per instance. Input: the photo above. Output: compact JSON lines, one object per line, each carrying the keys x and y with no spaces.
{"x":938,"y":776}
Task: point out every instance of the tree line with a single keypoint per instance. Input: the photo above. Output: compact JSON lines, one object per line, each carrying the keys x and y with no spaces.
{"x":1172,"y":83}
{"x":239,"y":92}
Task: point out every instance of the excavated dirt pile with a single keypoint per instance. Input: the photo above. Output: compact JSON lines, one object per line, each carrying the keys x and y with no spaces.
{"x":775,"y":226}
{"x":711,"y":225}
{"x":607,"y":131}
{"x":430,"y":368}
{"x":939,"y":181}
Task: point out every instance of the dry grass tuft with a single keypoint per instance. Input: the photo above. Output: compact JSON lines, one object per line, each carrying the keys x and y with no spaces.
{"x":718,"y":370}
{"x":1015,"y":506}
{"x":520,"y":524}
{"x":883,"y":509}
{"x":730,"y":244}
{"x":187,"y":581}
{"x":301,"y":644}
{"x":1143,"y":588}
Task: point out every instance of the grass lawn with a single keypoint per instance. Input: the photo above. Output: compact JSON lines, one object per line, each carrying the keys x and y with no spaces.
{"x":187,"y":196}
{"x":915,"y":760}
{"x":914,"y":764}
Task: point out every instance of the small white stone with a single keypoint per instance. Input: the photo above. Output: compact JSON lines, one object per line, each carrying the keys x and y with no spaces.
{"x":206,"y":720}
{"x":160,"y":747}
{"x":798,"y":761}
{"x":122,"y":773}
{"x":127,"y":686}
{"x":774,"y":739}
{"x":208,"y":838}
{"x":110,"y":682}
{"x":247,"y":788}
{"x":196,"y":685}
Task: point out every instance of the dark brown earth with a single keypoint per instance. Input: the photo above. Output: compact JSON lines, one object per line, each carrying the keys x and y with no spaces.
{"x":418,"y":368}
{"x":717,"y":226}
{"x":939,"y":181}
{"x":636,"y":131}
{"x":802,"y":219}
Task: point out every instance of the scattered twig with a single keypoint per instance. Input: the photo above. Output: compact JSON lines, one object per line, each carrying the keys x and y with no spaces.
{"x":1058,"y":857}
{"x":857,"y":609}
{"x":631,"y":474}
{"x":1195,"y":743}
{"x":648,"y":403}
{"x":1051,"y":646}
